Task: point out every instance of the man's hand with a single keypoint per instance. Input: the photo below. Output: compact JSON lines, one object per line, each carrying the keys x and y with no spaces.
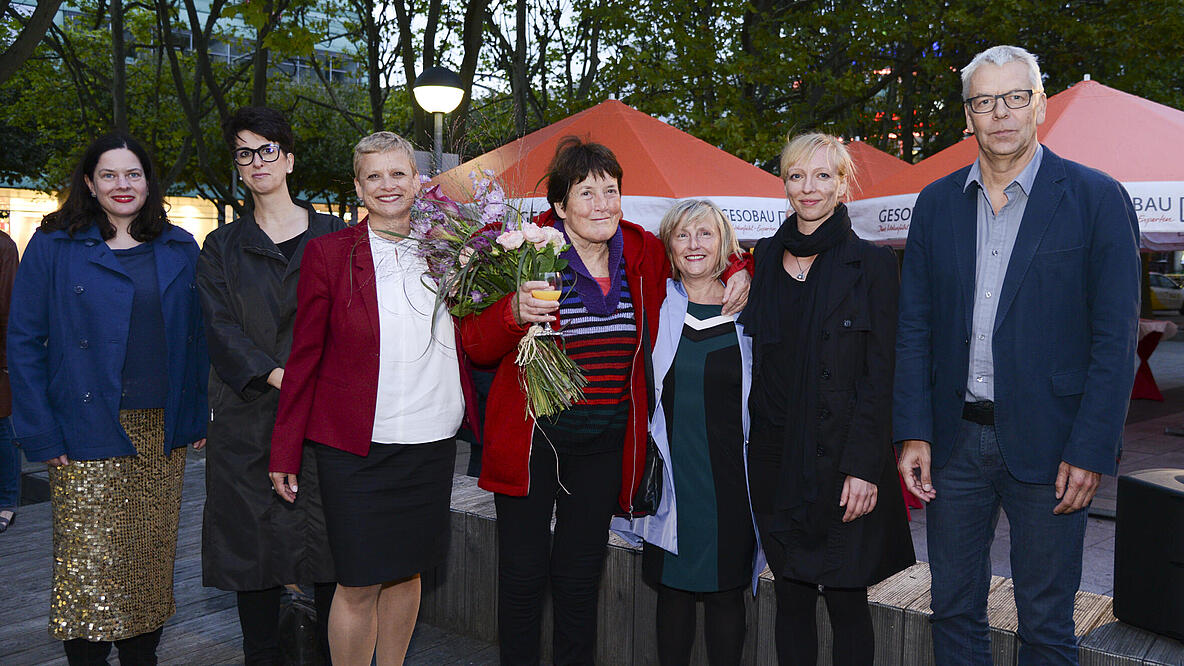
{"x":736,"y":293}
{"x":199,"y":444}
{"x":859,"y":497}
{"x":914,"y":468}
{"x":60,"y":461}
{"x":1075,"y":488}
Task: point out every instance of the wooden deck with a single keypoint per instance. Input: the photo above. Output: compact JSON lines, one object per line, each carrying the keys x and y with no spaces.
{"x":458,"y":619}
{"x":205,"y":629}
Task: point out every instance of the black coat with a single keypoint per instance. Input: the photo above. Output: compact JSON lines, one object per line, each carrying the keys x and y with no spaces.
{"x":252,"y":539}
{"x":852,"y":429}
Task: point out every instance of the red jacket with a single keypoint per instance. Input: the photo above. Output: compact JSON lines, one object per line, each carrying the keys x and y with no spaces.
{"x":330,"y":386}
{"x":491,"y":337}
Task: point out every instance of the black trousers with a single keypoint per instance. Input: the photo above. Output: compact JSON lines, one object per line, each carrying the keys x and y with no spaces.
{"x":135,"y":651}
{"x":724,"y":625}
{"x":528,"y":557}
{"x":259,"y":618}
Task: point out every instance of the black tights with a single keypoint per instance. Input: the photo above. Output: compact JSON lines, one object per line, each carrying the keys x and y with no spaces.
{"x":259,"y":614}
{"x":797,"y":630}
{"x":135,"y":651}
{"x":723,"y":625}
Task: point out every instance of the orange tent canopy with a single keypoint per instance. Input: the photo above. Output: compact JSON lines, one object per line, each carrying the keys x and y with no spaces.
{"x":656,"y":159}
{"x":1131,"y":138}
{"x":872,"y":165}
{"x":1135,"y":140}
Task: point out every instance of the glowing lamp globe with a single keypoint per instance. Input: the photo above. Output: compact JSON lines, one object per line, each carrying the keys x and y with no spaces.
{"x":438,"y":90}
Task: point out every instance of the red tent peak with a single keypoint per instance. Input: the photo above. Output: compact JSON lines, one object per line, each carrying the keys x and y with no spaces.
{"x":656,"y":159}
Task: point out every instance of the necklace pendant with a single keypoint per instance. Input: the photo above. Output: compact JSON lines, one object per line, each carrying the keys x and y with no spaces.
{"x":801,"y":276}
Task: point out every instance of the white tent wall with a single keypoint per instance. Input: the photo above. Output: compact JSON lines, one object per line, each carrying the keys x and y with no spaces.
{"x":1159,"y":206}
{"x":752,"y":217}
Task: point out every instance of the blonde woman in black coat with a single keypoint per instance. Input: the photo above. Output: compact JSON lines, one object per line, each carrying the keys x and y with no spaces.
{"x":827,"y":501}
{"x":252,"y":541}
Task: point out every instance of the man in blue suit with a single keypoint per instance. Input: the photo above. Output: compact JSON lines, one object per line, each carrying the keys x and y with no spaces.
{"x":1015,"y":356}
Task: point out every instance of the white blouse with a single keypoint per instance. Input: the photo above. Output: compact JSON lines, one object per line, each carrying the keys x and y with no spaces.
{"x":419,"y":392}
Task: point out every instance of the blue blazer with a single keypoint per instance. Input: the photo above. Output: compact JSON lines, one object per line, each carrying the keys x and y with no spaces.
{"x":1065,"y":332}
{"x":67,"y":340}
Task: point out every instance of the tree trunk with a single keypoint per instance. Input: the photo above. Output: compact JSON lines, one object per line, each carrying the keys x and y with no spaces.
{"x":474,"y":30}
{"x":259,"y":78}
{"x":908,"y":111}
{"x":518,"y":81}
{"x":28,"y":39}
{"x":374,"y":69}
{"x":119,"y":68}
{"x":260,"y":61}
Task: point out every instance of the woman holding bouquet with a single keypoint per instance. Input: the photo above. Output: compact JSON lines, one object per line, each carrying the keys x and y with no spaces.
{"x":824,"y":487}
{"x":585,"y":464}
{"x":374,"y":383}
{"x":252,"y":541}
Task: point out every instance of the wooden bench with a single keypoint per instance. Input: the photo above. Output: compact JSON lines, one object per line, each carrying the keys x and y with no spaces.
{"x":461,"y":596}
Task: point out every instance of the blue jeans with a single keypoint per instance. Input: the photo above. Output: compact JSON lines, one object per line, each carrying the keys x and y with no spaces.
{"x":10,"y":467}
{"x":1045,"y":556}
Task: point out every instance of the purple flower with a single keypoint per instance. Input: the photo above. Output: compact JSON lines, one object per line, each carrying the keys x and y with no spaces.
{"x":481,"y":242}
{"x":439,"y":201}
{"x":476,"y":296}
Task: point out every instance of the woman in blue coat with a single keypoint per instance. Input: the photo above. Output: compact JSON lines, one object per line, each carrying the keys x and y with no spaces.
{"x":107,"y":355}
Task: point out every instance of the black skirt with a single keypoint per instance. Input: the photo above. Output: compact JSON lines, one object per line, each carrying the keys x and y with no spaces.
{"x":387,"y":513}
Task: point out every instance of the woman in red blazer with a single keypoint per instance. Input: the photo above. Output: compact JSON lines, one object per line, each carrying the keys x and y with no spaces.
{"x":374,"y":383}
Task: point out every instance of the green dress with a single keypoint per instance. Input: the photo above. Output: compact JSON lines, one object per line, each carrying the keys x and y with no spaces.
{"x":702,"y":397}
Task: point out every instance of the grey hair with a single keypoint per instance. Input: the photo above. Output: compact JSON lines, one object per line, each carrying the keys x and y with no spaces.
{"x":999,"y":56}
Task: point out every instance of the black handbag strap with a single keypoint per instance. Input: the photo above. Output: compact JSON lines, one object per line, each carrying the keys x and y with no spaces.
{"x":648,"y":355}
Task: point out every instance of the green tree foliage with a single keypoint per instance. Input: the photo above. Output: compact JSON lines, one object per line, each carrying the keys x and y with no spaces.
{"x":739,"y":74}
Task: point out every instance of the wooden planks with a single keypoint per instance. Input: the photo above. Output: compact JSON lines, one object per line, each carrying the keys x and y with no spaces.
{"x":459,"y":609}
{"x":205,"y":628}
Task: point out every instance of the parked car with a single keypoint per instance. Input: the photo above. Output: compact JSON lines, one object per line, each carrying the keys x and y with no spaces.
{"x":1165,"y":294}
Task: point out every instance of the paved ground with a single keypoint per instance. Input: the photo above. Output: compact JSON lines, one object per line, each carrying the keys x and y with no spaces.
{"x":1145,"y":446}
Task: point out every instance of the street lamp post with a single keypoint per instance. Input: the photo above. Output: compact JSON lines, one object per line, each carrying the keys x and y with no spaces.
{"x":438,"y":91}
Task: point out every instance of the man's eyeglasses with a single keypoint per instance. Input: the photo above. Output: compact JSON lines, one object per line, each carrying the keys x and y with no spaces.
{"x":268,"y":152}
{"x":1014,"y":99}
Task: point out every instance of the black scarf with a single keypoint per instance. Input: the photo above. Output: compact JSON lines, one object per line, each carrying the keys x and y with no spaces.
{"x":763,"y":319}
{"x":762,"y":316}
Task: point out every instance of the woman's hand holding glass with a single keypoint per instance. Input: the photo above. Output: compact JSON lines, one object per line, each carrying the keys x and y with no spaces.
{"x":528,"y":309}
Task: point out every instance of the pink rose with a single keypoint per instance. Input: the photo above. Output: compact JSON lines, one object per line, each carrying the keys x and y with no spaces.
{"x":533,"y":233}
{"x":511,"y":240}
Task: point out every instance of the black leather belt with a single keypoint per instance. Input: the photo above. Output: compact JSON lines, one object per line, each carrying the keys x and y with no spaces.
{"x":982,"y":413}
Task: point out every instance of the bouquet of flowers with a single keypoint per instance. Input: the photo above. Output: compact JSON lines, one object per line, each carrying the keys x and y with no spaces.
{"x":475,"y":255}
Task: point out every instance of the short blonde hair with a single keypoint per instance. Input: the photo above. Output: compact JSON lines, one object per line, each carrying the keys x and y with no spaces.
{"x":692,"y":210}
{"x":801,"y":148}
{"x":383,"y":142}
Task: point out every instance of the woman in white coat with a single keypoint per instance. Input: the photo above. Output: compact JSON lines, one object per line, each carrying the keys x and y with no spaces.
{"x":700,"y":545}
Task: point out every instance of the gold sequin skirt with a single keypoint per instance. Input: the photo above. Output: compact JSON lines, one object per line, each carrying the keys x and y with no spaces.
{"x":115,"y":537}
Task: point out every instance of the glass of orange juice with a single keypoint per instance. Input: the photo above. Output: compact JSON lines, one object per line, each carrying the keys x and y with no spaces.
{"x":554,"y":280}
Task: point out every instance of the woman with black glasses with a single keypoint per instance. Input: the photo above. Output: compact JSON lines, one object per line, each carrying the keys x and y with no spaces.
{"x":252,"y":541}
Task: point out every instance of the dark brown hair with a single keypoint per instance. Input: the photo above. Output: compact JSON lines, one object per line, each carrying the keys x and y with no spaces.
{"x":576,"y":159}
{"x":264,"y":121}
{"x":81,"y":210}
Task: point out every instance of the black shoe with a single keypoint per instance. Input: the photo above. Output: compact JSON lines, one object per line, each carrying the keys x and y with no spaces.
{"x":5,"y":522}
